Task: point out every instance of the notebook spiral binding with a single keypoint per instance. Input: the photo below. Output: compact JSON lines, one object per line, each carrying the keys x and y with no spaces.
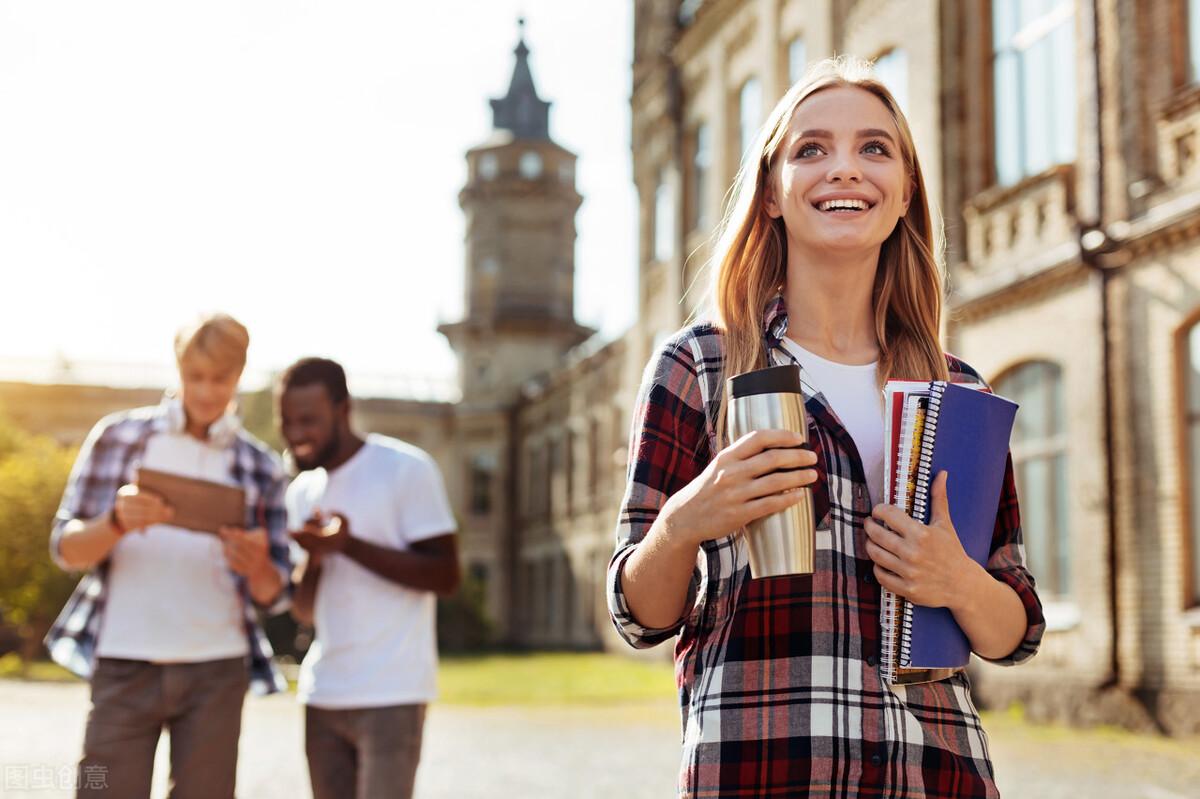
{"x":905,"y":625}
{"x":925,"y":457}
{"x":921,"y":503}
{"x":888,"y":642}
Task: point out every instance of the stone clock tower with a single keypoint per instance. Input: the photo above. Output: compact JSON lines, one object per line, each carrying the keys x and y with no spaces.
{"x":519,"y":203}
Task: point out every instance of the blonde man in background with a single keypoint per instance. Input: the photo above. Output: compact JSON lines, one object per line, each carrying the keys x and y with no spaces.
{"x":163,"y":623}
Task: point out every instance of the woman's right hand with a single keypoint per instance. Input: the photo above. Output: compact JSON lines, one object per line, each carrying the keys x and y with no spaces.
{"x":137,"y":509}
{"x":741,"y":484}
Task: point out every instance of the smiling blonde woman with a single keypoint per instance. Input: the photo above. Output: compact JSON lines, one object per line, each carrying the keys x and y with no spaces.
{"x":826,"y":260}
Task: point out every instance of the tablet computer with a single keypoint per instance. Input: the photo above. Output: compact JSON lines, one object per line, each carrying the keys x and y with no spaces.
{"x":200,"y":505}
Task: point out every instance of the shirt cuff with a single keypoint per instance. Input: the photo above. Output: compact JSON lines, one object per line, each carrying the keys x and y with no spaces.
{"x":633,"y":632}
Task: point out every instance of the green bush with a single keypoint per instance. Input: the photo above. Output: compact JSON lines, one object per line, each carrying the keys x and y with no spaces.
{"x":33,"y":473}
{"x":462,"y":620}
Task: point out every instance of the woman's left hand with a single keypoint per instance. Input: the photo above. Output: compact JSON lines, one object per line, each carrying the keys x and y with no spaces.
{"x":925,"y":564}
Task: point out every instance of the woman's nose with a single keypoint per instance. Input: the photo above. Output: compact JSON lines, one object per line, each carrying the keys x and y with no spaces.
{"x":844,"y":170}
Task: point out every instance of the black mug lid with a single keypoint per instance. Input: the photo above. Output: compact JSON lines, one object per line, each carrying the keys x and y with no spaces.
{"x":772,"y":380}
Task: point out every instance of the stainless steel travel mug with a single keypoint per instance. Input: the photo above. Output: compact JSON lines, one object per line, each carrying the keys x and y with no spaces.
{"x":771,"y":399}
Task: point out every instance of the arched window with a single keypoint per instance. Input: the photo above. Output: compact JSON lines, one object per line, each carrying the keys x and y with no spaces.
{"x":489,"y":167}
{"x":530,"y":165}
{"x":483,"y":470}
{"x":1039,"y":449}
{"x":1190,"y":404}
{"x":892,"y":70}
{"x":797,"y":56}
{"x":701,"y":145}
{"x":664,"y":220}
{"x":750,"y":112}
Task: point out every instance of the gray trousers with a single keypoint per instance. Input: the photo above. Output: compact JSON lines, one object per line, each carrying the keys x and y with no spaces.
{"x":200,"y":704}
{"x":364,"y":753}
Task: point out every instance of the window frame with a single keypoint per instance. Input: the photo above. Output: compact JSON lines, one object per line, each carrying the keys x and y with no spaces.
{"x":741,"y":141}
{"x":1189,"y":462}
{"x":903,"y":98}
{"x":695,"y":218}
{"x":797,"y":38}
{"x":992,"y":149}
{"x":662,"y":231}
{"x":1047,"y":448}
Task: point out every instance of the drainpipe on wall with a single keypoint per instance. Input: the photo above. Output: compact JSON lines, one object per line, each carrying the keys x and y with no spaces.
{"x":1103,"y":254}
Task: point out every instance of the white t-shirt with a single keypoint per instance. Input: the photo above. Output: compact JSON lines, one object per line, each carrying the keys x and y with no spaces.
{"x":171,"y":595}
{"x":854,"y":395}
{"x":375,"y":639}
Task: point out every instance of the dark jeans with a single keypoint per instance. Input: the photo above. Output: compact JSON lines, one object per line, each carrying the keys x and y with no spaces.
{"x":200,"y":704}
{"x":364,"y":753}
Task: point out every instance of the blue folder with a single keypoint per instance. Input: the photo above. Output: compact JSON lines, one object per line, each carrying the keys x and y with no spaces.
{"x":971,"y":431}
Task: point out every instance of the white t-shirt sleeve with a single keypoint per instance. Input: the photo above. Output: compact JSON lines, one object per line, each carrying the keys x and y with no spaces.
{"x":425,"y":509}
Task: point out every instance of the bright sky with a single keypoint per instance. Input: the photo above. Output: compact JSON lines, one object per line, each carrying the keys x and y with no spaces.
{"x":293,"y":162}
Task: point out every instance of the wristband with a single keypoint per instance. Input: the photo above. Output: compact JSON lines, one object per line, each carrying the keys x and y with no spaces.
{"x":114,"y":522}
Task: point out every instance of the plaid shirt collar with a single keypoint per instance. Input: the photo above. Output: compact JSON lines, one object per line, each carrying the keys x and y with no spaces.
{"x":775,"y":322}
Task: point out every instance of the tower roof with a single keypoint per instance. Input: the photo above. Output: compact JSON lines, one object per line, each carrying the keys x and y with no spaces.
{"x":521,"y":111}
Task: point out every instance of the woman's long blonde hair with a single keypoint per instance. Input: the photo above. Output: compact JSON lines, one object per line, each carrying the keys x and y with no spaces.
{"x":750,"y":257}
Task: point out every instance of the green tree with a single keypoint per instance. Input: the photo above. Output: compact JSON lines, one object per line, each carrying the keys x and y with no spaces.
{"x":33,"y":473}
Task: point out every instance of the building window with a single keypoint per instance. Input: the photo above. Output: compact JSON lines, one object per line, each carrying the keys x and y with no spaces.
{"x":539,"y":481}
{"x":701,"y":169}
{"x":1191,"y":432}
{"x":554,"y":459}
{"x":483,"y":472}
{"x":566,"y":172}
{"x":797,"y":56}
{"x":573,"y":487}
{"x":687,"y":11}
{"x":664,"y":220}
{"x":891,"y":69}
{"x":595,"y":466}
{"x":489,"y":167}
{"x":530,"y":165}
{"x":1034,"y":86}
{"x":749,"y":115}
{"x":1193,"y":39}
{"x":1039,"y":450}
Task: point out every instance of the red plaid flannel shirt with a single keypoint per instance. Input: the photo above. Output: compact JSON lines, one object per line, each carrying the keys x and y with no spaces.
{"x":779,"y":681}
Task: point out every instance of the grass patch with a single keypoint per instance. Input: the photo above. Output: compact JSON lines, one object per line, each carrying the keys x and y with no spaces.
{"x":536,"y":678}
{"x":552,"y":678}
{"x":13,"y":668}
{"x":1012,"y":723}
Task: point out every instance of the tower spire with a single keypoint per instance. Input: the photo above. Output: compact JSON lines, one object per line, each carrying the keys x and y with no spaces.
{"x":521,"y":111}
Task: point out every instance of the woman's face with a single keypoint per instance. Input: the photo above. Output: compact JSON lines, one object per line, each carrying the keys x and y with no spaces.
{"x":839,"y":180}
{"x":206,"y":388}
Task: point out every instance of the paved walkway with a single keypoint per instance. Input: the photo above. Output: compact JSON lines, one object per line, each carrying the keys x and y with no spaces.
{"x":626,"y":752}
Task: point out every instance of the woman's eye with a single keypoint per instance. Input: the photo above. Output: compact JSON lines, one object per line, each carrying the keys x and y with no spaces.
{"x":876,"y":148}
{"x":807,"y":151}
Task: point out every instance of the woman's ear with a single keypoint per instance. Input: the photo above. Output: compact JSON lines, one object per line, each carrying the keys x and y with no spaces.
{"x":770,"y":203}
{"x":908,"y":193}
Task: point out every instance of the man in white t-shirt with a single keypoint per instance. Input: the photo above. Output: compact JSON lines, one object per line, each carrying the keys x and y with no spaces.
{"x":373,"y":518}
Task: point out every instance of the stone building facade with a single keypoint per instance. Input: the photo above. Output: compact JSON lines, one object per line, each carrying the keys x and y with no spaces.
{"x":1059,"y":141}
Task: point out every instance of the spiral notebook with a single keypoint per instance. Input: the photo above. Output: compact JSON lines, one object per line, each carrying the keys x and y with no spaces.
{"x":932,"y":427}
